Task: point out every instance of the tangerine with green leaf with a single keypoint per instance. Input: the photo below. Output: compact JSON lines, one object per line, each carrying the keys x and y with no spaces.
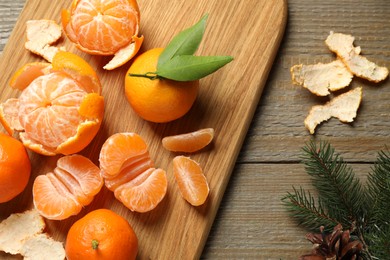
{"x":162,"y":84}
{"x":101,"y":234}
{"x":158,"y":100}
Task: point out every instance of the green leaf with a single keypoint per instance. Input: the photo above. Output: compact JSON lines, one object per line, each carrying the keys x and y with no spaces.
{"x":188,"y":67}
{"x":184,"y":43}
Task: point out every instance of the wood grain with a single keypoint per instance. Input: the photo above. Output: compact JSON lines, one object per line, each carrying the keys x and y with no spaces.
{"x":250,"y":31}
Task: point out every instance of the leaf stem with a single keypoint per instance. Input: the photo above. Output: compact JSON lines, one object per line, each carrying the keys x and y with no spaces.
{"x":149,"y":75}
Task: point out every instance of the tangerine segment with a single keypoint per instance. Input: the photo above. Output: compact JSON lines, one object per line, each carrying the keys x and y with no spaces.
{"x":190,"y":179}
{"x":144,"y":192}
{"x":72,"y":184}
{"x":101,"y":26}
{"x":189,"y":142}
{"x":119,"y":151}
{"x":133,"y":168}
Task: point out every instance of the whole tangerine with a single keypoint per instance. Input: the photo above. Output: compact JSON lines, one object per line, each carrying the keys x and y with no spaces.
{"x":158,"y":100}
{"x":101,"y":234}
{"x":15,"y":167}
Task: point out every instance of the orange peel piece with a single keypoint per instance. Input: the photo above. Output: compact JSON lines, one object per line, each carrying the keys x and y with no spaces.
{"x":321,"y":78}
{"x":344,"y":107}
{"x":360,"y":66}
{"x":77,"y":68}
{"x":125,"y":54}
{"x":17,"y":228}
{"x":41,"y":34}
{"x":9,"y":115}
{"x":26,"y":74}
{"x":42,"y":246}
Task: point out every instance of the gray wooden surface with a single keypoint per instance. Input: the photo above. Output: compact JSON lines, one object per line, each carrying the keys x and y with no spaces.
{"x":251,"y":222}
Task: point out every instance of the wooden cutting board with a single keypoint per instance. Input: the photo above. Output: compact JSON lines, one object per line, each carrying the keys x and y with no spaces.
{"x":248,"y":30}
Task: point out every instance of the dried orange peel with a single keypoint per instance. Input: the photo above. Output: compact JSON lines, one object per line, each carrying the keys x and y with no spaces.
{"x":344,"y":107}
{"x":22,"y":233}
{"x":322,"y":78}
{"x":104,"y":28}
{"x":60,"y":110}
{"x":41,"y":34}
{"x":342,"y":45}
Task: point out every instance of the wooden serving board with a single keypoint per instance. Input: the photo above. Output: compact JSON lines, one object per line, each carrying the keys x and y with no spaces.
{"x":248,"y":30}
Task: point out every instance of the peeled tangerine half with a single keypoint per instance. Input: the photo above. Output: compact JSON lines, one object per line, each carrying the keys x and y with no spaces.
{"x":128,"y":171}
{"x":68,"y":188}
{"x":104,"y":27}
{"x":60,"y":109}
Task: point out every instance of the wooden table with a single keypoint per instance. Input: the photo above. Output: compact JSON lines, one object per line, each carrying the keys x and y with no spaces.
{"x":252,"y":222}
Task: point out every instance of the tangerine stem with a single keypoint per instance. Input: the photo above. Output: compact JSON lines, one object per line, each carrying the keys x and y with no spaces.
{"x":95,"y":244}
{"x":149,"y":75}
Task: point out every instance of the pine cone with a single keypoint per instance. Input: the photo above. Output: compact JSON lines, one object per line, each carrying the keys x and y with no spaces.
{"x":337,"y":245}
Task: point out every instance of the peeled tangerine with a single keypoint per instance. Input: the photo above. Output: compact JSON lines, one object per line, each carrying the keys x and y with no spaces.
{"x":344,"y":107}
{"x":129,"y":172}
{"x":60,"y":109}
{"x":104,"y":27}
{"x":68,"y":188}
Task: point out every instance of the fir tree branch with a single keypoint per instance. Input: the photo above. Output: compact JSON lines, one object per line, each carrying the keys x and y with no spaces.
{"x":378,"y":183}
{"x":302,"y":207}
{"x":341,"y":192}
{"x":342,"y":199}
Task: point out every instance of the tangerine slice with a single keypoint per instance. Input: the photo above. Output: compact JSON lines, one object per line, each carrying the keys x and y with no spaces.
{"x":119,"y":151}
{"x":144,"y":192}
{"x":190,"y":179}
{"x":128,"y":171}
{"x":189,"y":142}
{"x":65,"y":191}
